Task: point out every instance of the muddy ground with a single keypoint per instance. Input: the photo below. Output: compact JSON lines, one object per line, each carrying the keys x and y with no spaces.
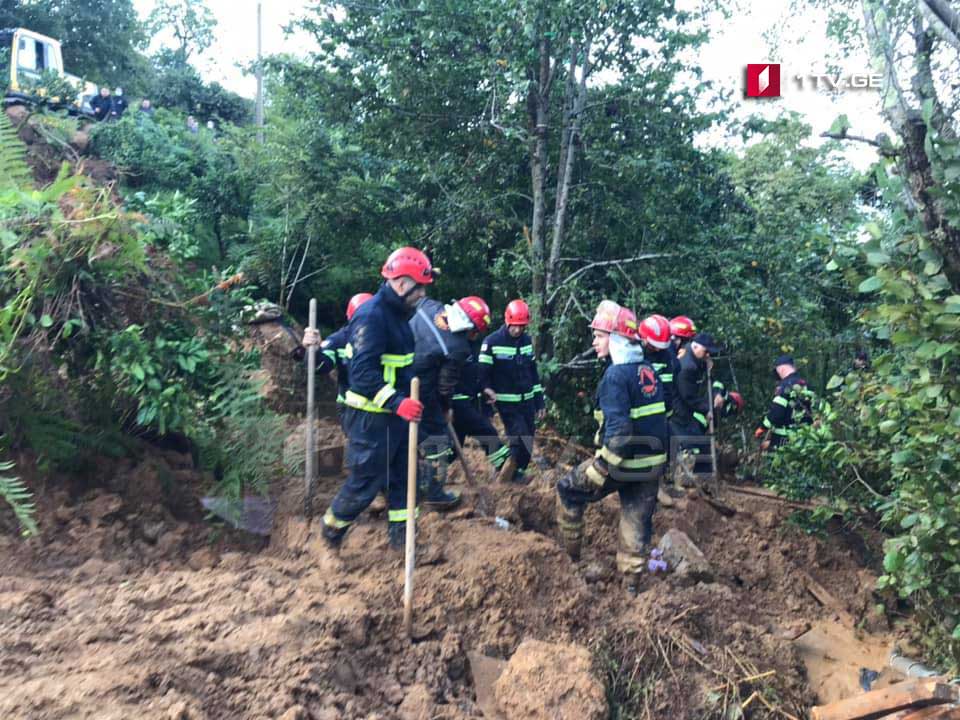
{"x":141,"y":609}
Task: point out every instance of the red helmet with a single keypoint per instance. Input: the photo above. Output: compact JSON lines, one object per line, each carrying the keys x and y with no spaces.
{"x":612,"y":318}
{"x":477,"y":310}
{"x":408,"y":262}
{"x":737,"y":400}
{"x":683,"y":327}
{"x":656,"y":331}
{"x":355,"y":302}
{"x":518,"y":313}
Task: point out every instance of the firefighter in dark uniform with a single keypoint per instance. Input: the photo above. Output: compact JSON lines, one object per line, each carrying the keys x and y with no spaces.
{"x":472,"y":410}
{"x":333,"y":351}
{"x":790,"y":406}
{"x":633,"y":446}
{"x":655,"y":336}
{"x":378,"y":406}
{"x":442,"y":341}
{"x":682,"y":330}
{"x":691,"y":411}
{"x":508,"y":374}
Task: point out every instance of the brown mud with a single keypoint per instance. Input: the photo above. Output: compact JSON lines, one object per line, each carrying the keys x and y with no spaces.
{"x":140,"y":609}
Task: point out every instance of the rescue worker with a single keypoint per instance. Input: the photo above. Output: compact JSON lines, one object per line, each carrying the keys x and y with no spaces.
{"x":472,"y":410}
{"x":732,"y":401}
{"x":633,"y":446}
{"x":682,"y":331}
{"x":790,"y":406}
{"x":508,"y":375}
{"x":333,"y":351}
{"x":442,"y":347}
{"x":655,"y":337}
{"x":378,"y":406}
{"x":692,"y":409}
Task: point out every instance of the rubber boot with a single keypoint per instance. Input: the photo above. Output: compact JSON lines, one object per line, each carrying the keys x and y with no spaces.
{"x":435,"y":497}
{"x":333,"y":536}
{"x":397,"y":536}
{"x":508,"y":471}
{"x":570,"y":523}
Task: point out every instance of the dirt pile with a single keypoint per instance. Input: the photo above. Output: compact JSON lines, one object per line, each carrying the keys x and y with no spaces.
{"x":122,"y":610}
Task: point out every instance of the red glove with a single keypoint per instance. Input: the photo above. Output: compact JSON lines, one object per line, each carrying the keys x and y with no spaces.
{"x":758,"y":433}
{"x":410,"y":410}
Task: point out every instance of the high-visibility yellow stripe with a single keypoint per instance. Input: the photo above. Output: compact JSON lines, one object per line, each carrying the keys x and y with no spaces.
{"x":595,"y":475}
{"x":384,"y":394}
{"x":666,"y":377}
{"x":648,"y":410}
{"x":526,"y":350}
{"x":331,"y":520}
{"x":486,"y":359}
{"x":332,"y":354}
{"x":780,"y":400}
{"x":504,"y":351}
{"x":358,"y":401}
{"x":643,"y":462}
{"x":610,"y":456}
{"x":700,"y":419}
{"x":400,"y":515}
{"x":509,"y":397}
{"x":460,"y":397}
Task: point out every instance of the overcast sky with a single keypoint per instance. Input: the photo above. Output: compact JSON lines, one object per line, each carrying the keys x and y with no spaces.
{"x":745,"y":38}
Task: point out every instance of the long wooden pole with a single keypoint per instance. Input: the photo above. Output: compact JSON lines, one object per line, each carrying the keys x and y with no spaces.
{"x":310,"y":435}
{"x":411,"y":517}
{"x":713,"y":438}
{"x":467,"y":470}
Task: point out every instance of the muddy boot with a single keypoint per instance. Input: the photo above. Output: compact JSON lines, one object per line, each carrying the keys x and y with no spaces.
{"x":434,"y":496}
{"x":663,"y":497}
{"x":508,"y":471}
{"x":570,"y":523}
{"x":333,"y":537}
{"x":397,"y":536}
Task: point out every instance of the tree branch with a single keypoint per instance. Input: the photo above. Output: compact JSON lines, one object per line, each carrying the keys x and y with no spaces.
{"x":886,"y":149}
{"x":602,"y":263}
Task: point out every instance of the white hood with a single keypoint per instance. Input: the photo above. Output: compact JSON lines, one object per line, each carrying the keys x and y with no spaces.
{"x":622,"y":351}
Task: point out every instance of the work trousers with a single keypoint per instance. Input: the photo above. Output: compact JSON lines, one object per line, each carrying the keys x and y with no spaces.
{"x":518,"y":421}
{"x":470,"y":420}
{"x":376,"y":461}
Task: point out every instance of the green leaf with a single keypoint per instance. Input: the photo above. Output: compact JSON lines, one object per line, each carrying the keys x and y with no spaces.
{"x":46,"y":321}
{"x":910,"y":520}
{"x":871,"y":284}
{"x":835,"y":382}
{"x":137,"y":371}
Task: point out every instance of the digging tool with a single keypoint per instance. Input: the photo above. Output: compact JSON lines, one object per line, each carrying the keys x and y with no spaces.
{"x":310,"y":443}
{"x":713,"y":439}
{"x":411,"y":516}
{"x":471,"y":478}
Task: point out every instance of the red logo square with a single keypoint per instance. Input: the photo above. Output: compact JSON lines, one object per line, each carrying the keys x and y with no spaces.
{"x":763,"y":80}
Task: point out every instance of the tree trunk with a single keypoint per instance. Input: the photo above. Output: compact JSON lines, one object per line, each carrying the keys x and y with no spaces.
{"x":539,"y":111}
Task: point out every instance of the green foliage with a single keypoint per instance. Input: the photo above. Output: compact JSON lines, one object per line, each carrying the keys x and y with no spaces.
{"x":50,"y":89}
{"x":178,"y":85}
{"x":189,"y":21}
{"x":19,"y":498}
{"x":154,"y":376}
{"x":14,"y":172}
{"x":171,"y":224}
{"x":241,"y":440}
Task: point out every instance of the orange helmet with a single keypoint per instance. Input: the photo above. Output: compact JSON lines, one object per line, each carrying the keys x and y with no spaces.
{"x":683,"y":327}
{"x":656,"y":331}
{"x":355,"y":302}
{"x":408,"y":262}
{"x":518,"y":313}
{"x":477,"y":310}
{"x":613,"y":318}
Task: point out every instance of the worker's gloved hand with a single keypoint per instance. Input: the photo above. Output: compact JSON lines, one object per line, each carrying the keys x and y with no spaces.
{"x":718,"y":401}
{"x":758,"y":433}
{"x":490,"y":396}
{"x":410,"y":410}
{"x":311,"y":338}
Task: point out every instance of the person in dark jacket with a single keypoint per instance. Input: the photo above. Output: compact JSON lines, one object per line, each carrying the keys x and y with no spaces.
{"x":118,"y":105}
{"x":472,"y":411}
{"x":102,"y":104}
{"x":790,"y":406}
{"x":633,"y":446}
{"x":692,"y":407}
{"x":442,"y":347}
{"x":378,"y":406}
{"x":508,"y":374}
{"x":655,"y":337}
{"x":333,"y":353}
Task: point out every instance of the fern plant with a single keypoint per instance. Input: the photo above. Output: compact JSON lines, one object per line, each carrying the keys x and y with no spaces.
{"x":14,"y":171}
{"x":18,"y":497}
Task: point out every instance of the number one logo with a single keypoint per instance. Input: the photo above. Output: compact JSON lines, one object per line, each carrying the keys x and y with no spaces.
{"x":763,"y":80}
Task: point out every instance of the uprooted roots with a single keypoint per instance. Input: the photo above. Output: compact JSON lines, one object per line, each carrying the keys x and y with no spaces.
{"x":654,"y":672}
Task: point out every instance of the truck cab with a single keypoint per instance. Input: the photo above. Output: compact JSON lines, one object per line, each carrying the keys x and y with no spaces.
{"x":24,"y":58}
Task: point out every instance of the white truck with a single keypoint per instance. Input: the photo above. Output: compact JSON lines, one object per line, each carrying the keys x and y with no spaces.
{"x":25,"y":56}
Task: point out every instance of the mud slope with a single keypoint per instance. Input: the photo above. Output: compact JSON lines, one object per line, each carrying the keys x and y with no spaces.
{"x":122,"y":611}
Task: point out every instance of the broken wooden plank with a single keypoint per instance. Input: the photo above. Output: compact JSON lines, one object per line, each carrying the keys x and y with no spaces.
{"x":823,"y":596}
{"x":876,"y":704}
{"x":933,"y":712}
{"x":770,"y":495}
